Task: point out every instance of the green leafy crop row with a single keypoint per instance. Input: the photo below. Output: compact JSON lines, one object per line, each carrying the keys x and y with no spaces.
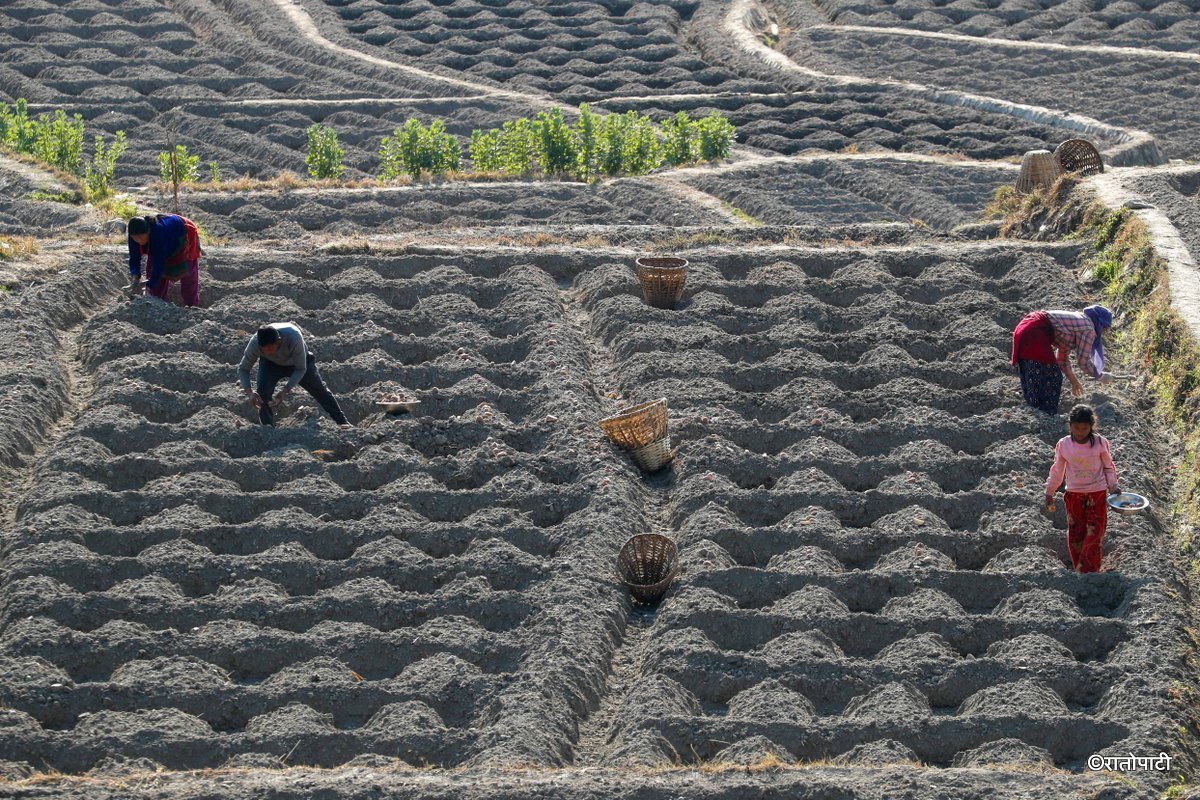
{"x":57,"y":139}
{"x":594,"y":146}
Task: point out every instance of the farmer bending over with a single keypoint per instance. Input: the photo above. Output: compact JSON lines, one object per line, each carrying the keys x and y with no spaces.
{"x":170,"y":245}
{"x":284,"y":355}
{"x":1041,"y":347}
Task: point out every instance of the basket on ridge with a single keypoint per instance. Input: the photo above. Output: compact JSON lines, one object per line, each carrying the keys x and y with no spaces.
{"x":647,"y":564}
{"x":654,"y":456}
{"x":1079,"y":155}
{"x":637,"y":426}
{"x":1039,"y":169}
{"x":662,"y":279}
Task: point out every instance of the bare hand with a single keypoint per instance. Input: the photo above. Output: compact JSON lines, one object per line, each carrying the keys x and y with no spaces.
{"x":1050,"y":504}
{"x":254,"y":398}
{"x":279,"y":398}
{"x":1076,"y":389}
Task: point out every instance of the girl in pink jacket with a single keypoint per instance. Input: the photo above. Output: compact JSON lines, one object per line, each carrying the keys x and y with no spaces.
{"x":1084,"y":459}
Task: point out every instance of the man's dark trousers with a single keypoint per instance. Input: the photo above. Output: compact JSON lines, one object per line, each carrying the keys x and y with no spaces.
{"x":270,"y":373}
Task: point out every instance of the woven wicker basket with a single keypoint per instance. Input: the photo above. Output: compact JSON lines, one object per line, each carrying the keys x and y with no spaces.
{"x":662,"y":279}
{"x":653,"y":456}
{"x":1079,"y":155}
{"x":647,"y":564}
{"x":637,"y":426}
{"x":1039,"y":169}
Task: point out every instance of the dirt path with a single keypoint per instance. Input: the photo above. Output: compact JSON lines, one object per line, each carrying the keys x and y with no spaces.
{"x":1016,"y":44}
{"x":594,"y":732}
{"x":349,"y":102}
{"x":703,"y":200}
{"x":1113,"y":189}
{"x":43,"y":179}
{"x":754,"y":161}
{"x":77,"y":387}
{"x":626,"y":663}
{"x":42,"y":324}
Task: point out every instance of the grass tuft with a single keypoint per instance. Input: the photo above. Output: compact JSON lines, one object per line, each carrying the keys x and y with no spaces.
{"x":68,"y":197}
{"x":685,"y":241}
{"x":540,"y":239}
{"x":742,"y":215}
{"x":118,"y":206}
{"x":17,"y":248}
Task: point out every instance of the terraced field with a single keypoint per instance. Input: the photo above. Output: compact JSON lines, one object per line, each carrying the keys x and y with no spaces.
{"x":793,"y":123}
{"x":271,"y":214}
{"x":1167,"y":24}
{"x":863,"y":575}
{"x":867,"y":578}
{"x":1132,"y":89}
{"x":369,"y":595}
{"x":846,"y":191}
{"x":576,"y":51}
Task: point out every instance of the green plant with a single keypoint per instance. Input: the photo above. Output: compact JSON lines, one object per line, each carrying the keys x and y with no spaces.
{"x":69,"y":197}
{"x":1177,"y":790}
{"x":214,"y":172}
{"x":17,"y":130}
{"x":485,"y":151}
{"x":58,"y":140}
{"x":716,"y":135}
{"x":680,"y":144}
{"x":612,"y":137}
{"x":740,"y":214}
{"x":518,"y":148}
{"x":119,"y":207}
{"x":587,"y":145}
{"x":617,"y":144}
{"x":99,"y":174}
{"x":556,"y":146}
{"x":324,"y":158}
{"x":641,"y":150}
{"x":400,"y":152}
{"x":513,"y":148}
{"x":444,"y":148}
{"x":414,"y":149}
{"x":177,"y":166}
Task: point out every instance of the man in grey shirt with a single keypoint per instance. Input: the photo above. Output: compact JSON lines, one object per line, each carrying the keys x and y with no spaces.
{"x":281,"y":347}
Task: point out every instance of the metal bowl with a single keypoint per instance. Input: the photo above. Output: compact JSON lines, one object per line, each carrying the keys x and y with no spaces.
{"x":396,"y":406}
{"x":1128,"y":503}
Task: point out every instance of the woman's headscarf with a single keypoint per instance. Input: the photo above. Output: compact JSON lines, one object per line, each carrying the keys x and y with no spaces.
{"x":1101,"y":317}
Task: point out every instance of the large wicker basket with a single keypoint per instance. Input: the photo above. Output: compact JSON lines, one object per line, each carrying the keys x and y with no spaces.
{"x":637,"y":426}
{"x":653,"y":456}
{"x":662,"y":279}
{"x":647,"y":564}
{"x":1079,"y":155}
{"x":1039,"y":169}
